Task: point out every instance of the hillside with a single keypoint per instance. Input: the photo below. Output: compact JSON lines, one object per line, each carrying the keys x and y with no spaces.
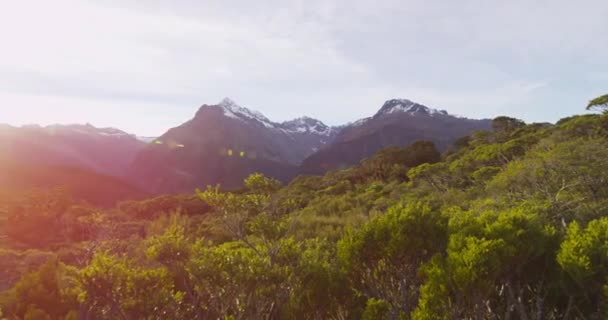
{"x":95,"y":188}
{"x":398,"y":123}
{"x":103,"y":150}
{"x":510,"y":221}
{"x":224,"y":143}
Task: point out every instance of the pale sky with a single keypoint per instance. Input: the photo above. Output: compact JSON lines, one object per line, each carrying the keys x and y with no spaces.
{"x":146,"y":66}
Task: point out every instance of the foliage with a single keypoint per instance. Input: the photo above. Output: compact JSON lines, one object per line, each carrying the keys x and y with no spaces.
{"x":42,"y":294}
{"x":599,"y":103}
{"x":114,"y":288}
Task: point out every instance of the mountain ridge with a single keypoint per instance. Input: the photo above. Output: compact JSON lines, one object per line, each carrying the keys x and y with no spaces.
{"x":303,"y":124}
{"x":398,"y":123}
{"x":104,"y":150}
{"x":225,"y":142}
{"x":222,"y":144}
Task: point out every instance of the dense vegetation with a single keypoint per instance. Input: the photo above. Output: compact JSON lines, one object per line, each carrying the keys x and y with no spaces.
{"x":508,"y":224}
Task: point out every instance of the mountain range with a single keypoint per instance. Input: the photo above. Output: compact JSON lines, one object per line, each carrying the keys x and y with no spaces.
{"x":105,"y":150}
{"x":91,"y":162}
{"x":224,"y":142}
{"x":399,"y":122}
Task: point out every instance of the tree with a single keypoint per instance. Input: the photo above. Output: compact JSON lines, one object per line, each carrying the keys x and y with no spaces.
{"x":490,"y":268}
{"x":259,"y":183}
{"x":600,"y":103}
{"x":254,"y":276}
{"x":421,"y":151}
{"x":584,"y":257}
{"x":383,"y":257}
{"x":43,"y":294}
{"x":36,"y":314}
{"x":385,"y":165}
{"x":569,"y":176}
{"x":505,"y":125}
{"x":318,"y":282}
{"x":115,"y":288}
{"x":36,"y":219}
{"x":246,"y":218}
{"x":376,"y":310}
{"x":236,"y":282}
{"x":173,"y":250}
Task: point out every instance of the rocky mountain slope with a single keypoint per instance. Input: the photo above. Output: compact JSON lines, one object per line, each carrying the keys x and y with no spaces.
{"x":223,"y":144}
{"x":399,"y":122}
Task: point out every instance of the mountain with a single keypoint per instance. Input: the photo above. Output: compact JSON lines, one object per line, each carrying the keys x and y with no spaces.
{"x":103,"y":150}
{"x":95,"y":188}
{"x":223,"y":144}
{"x":399,"y":122}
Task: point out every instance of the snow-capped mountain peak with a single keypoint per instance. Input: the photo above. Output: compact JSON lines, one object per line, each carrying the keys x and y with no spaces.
{"x":302,"y":125}
{"x":407,"y":106}
{"x":233,"y":110}
{"x":357,"y":122}
{"x":307,"y":125}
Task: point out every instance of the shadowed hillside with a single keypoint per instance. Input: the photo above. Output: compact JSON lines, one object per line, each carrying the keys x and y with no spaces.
{"x":95,"y":188}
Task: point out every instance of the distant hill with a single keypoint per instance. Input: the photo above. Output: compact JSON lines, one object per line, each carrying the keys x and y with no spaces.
{"x":224,"y":143}
{"x":103,"y":150}
{"x":97,"y":189}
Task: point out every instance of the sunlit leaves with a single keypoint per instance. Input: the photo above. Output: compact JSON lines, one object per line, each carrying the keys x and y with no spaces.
{"x":383,"y":257}
{"x":115,"y":288}
{"x":599,"y":103}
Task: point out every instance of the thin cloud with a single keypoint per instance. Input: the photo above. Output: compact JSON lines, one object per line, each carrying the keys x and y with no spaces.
{"x":335,"y":60}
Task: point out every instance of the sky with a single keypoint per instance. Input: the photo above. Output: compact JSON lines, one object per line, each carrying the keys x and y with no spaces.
{"x":146,"y":66}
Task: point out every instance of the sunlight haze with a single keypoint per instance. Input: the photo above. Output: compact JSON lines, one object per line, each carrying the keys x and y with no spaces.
{"x":110,"y":62}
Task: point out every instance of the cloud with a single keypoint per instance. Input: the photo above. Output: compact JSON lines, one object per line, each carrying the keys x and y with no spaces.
{"x":335,"y":60}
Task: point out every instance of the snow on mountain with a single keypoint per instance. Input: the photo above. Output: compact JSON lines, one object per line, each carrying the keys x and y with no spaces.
{"x":396,"y":106}
{"x":303,"y":125}
{"x":407,"y":106}
{"x":307,"y":125}
{"x":399,"y":122}
{"x":233,"y":110}
{"x":358,"y":122}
